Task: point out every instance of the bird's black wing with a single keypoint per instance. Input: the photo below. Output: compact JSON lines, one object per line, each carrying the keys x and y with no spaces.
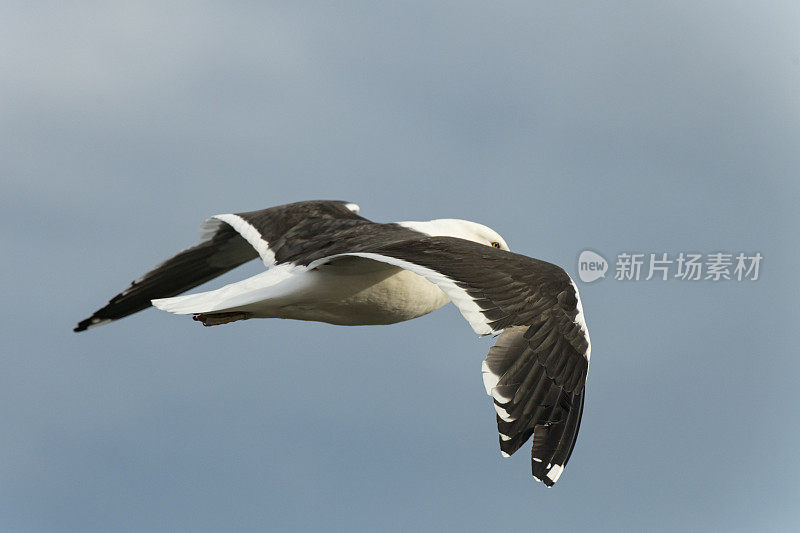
{"x":228,"y":241}
{"x":537,"y":369}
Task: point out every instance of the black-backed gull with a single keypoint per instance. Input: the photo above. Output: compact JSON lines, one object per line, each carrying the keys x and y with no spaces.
{"x":326,"y":263}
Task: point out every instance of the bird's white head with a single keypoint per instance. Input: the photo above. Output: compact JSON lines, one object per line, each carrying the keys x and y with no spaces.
{"x":462,"y":229}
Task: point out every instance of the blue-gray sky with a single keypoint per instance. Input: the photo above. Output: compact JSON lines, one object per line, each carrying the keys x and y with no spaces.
{"x":616,"y":127}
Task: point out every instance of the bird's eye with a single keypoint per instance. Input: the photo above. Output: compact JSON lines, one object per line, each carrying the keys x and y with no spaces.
{"x":496,"y":244}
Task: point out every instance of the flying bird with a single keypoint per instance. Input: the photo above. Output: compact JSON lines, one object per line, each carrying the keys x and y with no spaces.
{"x":327,"y":263}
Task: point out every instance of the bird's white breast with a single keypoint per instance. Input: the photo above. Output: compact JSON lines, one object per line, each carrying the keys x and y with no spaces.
{"x":356,"y":291}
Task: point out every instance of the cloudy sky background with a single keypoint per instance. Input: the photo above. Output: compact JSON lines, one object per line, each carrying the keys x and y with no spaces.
{"x":615,"y":127}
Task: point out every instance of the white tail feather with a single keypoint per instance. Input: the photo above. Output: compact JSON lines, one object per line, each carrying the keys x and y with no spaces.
{"x":273,"y":284}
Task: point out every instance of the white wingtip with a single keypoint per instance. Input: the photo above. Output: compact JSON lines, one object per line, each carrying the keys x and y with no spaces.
{"x":555,"y":472}
{"x":97,"y":322}
{"x":502,"y":413}
{"x":489,"y":379}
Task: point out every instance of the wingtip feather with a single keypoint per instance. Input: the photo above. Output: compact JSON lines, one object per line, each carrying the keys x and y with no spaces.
{"x":91,"y":322}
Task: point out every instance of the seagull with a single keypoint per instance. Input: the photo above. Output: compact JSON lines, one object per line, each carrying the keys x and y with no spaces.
{"x":327,"y":263}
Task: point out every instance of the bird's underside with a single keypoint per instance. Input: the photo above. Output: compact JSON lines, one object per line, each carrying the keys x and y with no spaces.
{"x":326,"y":263}
{"x":347,"y":291}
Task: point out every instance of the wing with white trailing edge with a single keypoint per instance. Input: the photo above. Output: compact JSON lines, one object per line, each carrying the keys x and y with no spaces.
{"x":221,"y":250}
{"x":536,"y":371}
{"x":227,"y":241}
